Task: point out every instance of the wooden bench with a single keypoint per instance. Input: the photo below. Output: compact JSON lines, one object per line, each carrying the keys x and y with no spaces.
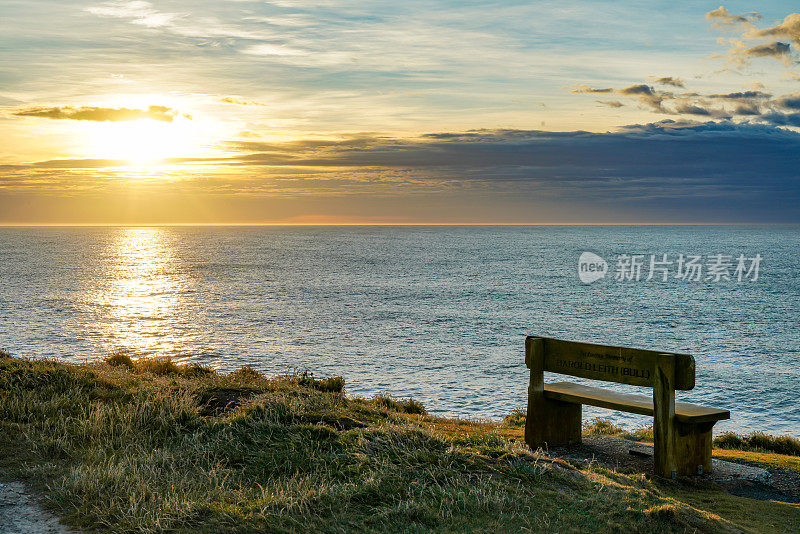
{"x":682,"y":431}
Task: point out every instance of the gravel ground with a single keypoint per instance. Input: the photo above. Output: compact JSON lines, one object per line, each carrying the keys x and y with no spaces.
{"x":20,"y":513}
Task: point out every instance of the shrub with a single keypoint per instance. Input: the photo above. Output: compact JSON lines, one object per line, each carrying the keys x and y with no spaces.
{"x":730,"y":440}
{"x":120,"y":359}
{"x":4,"y":354}
{"x":412,"y":406}
{"x":332,"y":384}
{"x":759,"y":441}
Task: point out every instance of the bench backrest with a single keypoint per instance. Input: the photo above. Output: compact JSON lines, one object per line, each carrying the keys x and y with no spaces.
{"x":623,"y":365}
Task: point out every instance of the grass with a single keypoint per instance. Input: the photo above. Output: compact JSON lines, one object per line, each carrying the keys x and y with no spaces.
{"x":153,"y":446}
{"x":748,"y":515}
{"x":761,"y":459}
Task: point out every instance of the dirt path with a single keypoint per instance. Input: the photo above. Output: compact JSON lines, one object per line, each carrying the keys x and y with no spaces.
{"x":20,"y":513}
{"x":737,"y":478}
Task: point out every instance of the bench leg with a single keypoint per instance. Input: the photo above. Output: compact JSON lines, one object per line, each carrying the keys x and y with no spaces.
{"x":548,"y":423}
{"x":664,"y":431}
{"x":551,"y":423}
{"x":693,"y":448}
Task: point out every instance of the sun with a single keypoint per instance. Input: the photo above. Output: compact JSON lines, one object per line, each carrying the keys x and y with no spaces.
{"x":145,"y":141}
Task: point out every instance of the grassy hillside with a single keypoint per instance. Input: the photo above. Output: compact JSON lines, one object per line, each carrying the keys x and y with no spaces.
{"x":151,"y":446}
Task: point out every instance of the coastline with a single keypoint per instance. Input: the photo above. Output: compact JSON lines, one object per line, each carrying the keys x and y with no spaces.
{"x":147,"y":446}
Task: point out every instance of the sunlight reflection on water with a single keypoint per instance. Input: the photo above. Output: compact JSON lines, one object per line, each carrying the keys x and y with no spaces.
{"x":139,"y":291}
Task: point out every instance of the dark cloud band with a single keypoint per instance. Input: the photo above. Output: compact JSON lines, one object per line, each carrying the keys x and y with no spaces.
{"x":698,"y":171}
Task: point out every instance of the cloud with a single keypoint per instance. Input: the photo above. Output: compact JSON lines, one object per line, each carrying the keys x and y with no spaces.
{"x":611,"y":103}
{"x":754,"y":105}
{"x":742,"y":95}
{"x":241,"y":101}
{"x":668,"y":148}
{"x":520,"y":151}
{"x":139,"y":12}
{"x":639,"y":89}
{"x":722,"y":17}
{"x":692,"y":109}
{"x":747,"y":108}
{"x":267,"y":49}
{"x":789,"y":28}
{"x":159,"y":113}
{"x":742,"y":51}
{"x":668,"y":80}
{"x":782,"y":119}
{"x":776,"y":49}
{"x":646,"y":95}
{"x":791,"y":101}
{"x":583,"y":88}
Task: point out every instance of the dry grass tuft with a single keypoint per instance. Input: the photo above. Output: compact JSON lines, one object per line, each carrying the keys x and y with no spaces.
{"x":221,"y":401}
{"x":409,"y":406}
{"x":664,"y":511}
{"x":158,"y":366}
{"x":247,"y":374}
{"x":305,"y":378}
{"x":602,"y":427}
{"x":196,"y":370}
{"x":516,"y":417}
{"x":605,"y":427}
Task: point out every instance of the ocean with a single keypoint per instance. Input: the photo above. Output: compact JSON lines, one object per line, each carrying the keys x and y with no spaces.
{"x":438,"y":313}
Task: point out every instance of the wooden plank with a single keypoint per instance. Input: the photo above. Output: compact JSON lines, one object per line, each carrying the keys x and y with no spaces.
{"x":623,"y":365}
{"x":602,"y":398}
{"x":665,"y":462}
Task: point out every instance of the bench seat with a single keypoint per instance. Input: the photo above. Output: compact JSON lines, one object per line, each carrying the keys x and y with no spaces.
{"x":603,"y":398}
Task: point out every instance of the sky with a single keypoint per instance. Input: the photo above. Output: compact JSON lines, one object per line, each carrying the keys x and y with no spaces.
{"x":347,"y":112}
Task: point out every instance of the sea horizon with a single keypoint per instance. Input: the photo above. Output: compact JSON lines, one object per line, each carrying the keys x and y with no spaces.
{"x":247,"y":224}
